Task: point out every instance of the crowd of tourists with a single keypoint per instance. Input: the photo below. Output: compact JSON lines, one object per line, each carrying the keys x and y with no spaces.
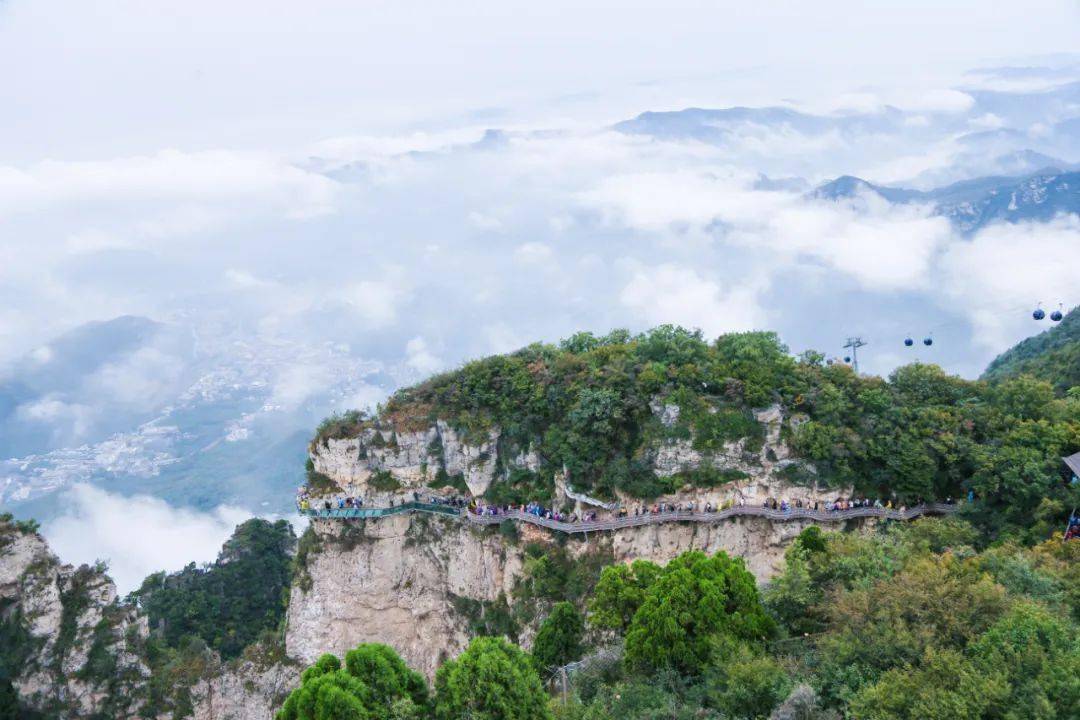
{"x":536,"y":509}
{"x":533,"y":508}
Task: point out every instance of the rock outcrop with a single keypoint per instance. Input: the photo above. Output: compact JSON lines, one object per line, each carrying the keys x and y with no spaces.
{"x":416,"y":459}
{"x":81,"y":652}
{"x":399,"y":580}
{"x":413,"y":459}
{"x":249,"y":690}
{"x":410,"y":580}
{"x":78,"y":649}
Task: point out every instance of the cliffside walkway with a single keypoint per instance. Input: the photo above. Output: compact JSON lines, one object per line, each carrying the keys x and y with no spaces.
{"x":636,"y":520}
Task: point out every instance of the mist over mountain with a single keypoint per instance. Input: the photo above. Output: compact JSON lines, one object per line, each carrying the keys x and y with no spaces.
{"x":180,"y":304}
{"x":973,"y":204}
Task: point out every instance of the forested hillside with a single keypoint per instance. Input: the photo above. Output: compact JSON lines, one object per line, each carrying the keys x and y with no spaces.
{"x":1053,"y":355}
{"x":913,"y":622}
{"x":588,"y":405}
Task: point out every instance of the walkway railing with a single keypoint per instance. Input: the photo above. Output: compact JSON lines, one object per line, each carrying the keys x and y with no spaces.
{"x":627,"y":521}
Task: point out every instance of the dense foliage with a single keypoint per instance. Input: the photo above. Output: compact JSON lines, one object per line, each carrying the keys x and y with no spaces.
{"x":694,"y":606}
{"x":910,"y":622}
{"x":559,"y":639}
{"x":1053,"y":355}
{"x":491,"y":680}
{"x":374,"y":684}
{"x":589,"y":405}
{"x":226,"y":604}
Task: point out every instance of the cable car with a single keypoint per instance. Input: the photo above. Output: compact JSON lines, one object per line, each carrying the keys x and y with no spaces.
{"x":908,"y":342}
{"x":1039,"y":314}
{"x":928,"y":341}
{"x":1056,"y":315}
{"x":847,"y":359}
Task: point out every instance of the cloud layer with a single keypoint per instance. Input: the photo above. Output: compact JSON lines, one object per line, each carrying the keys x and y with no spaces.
{"x":137,"y":535}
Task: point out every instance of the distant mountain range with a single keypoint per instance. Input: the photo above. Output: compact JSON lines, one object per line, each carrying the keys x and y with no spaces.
{"x":973,"y":204}
{"x":712,"y":125}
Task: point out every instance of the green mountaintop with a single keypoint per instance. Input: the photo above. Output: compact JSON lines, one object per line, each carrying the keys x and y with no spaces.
{"x":597,"y":406}
{"x":1053,"y":355}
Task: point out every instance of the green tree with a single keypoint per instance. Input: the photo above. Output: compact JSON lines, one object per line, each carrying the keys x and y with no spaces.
{"x":696,"y":602}
{"x":793,"y":594}
{"x":619,"y":593}
{"x":229,"y":603}
{"x":946,"y":686}
{"x":374,"y":684}
{"x":1039,"y":654}
{"x":491,"y":680}
{"x":558,"y":641}
{"x":746,"y":683}
{"x":386,"y":675}
{"x":935,"y":602}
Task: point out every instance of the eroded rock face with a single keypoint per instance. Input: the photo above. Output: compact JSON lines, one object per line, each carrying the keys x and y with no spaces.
{"x":759,"y":542}
{"x":395,"y":580}
{"x":412,"y":458}
{"x":82,"y":651}
{"x":79,"y":648}
{"x":400,"y":580}
{"x":247,"y":691}
{"x":415,"y":458}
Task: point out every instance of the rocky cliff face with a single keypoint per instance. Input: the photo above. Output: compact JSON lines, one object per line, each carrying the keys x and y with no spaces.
{"x":398,"y":580}
{"x":80,"y":652}
{"x":250,"y":690}
{"x":414,"y":460}
{"x":410,"y":580}
{"x":77,"y":648}
{"x":405,"y":580}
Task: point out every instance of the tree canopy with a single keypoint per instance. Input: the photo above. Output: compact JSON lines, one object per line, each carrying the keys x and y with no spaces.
{"x":491,"y":680}
{"x":559,"y":639}
{"x":695,"y":602}
{"x":231,"y":601}
{"x":374,"y":684}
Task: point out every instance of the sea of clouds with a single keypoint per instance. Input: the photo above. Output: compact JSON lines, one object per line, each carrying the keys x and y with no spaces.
{"x":359,"y":215}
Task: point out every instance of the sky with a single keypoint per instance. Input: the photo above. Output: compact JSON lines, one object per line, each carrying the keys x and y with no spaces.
{"x":356,"y":195}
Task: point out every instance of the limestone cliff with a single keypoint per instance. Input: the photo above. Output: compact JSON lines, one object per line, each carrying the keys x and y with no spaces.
{"x":415,"y":459}
{"x":76,"y":647}
{"x":397,"y":580}
{"x":79,"y":651}
{"x":416,"y":582}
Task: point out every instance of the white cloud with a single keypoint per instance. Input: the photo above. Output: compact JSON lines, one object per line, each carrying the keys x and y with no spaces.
{"x":884,"y":247}
{"x":986,"y":121}
{"x":215,"y":177}
{"x":137,"y":535}
{"x":363,"y":397}
{"x":420,"y":358}
{"x":534,"y":253}
{"x":999,"y":275}
{"x":674,"y":294}
{"x":244,"y":279}
{"x":65,"y":420}
{"x":294,"y":384}
{"x":938,"y":100}
{"x":484,"y":222}
{"x":377,"y":302}
{"x":143,"y":378}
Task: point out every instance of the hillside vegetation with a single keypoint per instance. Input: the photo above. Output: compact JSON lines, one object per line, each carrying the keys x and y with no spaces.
{"x":1053,"y":355}
{"x":909,"y":623}
{"x":587,"y":405}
